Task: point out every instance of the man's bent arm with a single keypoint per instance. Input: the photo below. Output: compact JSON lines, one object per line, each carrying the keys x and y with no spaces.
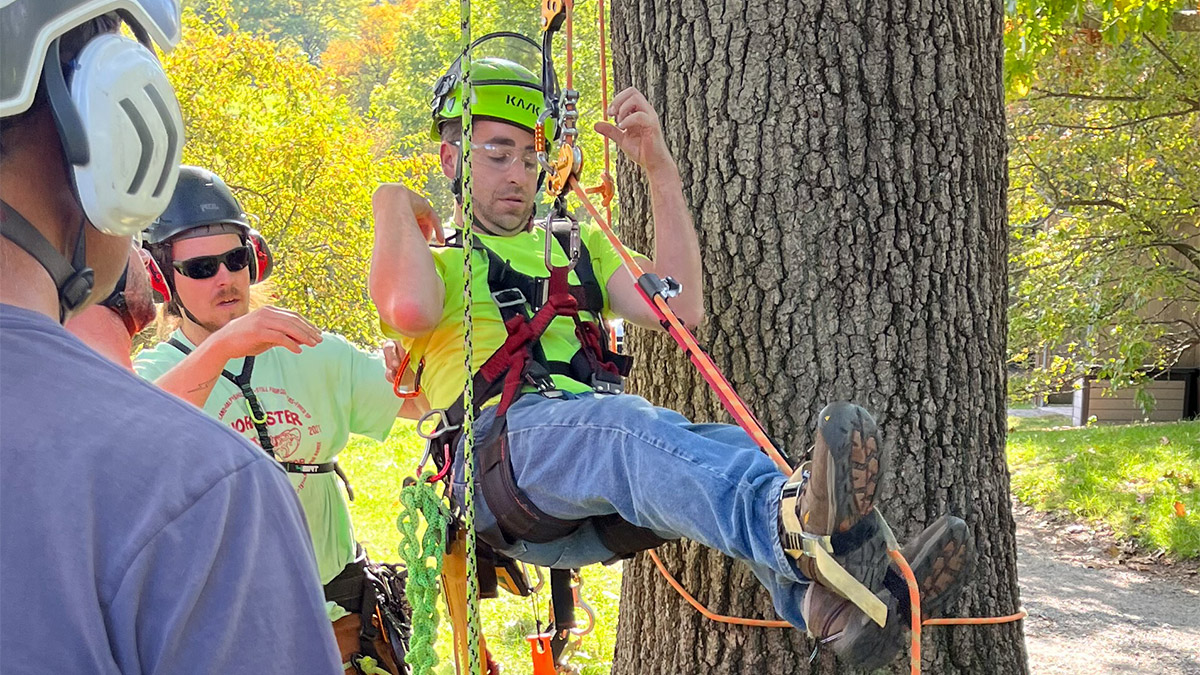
{"x":193,"y":378}
{"x":638,"y":134}
{"x":676,"y":248}
{"x":404,"y":283}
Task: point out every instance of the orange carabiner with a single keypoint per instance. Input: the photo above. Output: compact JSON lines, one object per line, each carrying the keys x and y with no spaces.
{"x":398,"y":388}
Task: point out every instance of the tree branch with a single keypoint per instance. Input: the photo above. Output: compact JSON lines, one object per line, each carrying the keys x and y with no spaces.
{"x":1093,"y":202}
{"x":1194,"y":106}
{"x":1171,"y":60}
{"x":1082,"y":97}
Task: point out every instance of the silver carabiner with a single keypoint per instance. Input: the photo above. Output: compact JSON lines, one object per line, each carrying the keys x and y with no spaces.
{"x":439,"y":429}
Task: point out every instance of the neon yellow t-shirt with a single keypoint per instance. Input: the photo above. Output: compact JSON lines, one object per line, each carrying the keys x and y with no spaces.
{"x":444,"y":376}
{"x":313,"y":401}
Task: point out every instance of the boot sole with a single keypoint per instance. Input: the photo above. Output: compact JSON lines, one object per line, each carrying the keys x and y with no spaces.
{"x":852,"y":439}
{"x":941,"y":560}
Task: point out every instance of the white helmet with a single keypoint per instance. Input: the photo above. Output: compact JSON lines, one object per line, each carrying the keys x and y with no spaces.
{"x":117,"y":115}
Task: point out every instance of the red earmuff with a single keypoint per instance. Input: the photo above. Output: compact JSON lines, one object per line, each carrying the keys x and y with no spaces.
{"x":264,"y":262}
{"x":158,"y":282}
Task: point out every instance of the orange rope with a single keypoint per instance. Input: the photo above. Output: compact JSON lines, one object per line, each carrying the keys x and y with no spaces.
{"x":977,"y":621}
{"x":914,"y":600}
{"x":607,"y":175}
{"x":708,"y":614}
{"x":570,"y":43}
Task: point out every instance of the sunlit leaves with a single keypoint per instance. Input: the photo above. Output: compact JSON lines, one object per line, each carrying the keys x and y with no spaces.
{"x":1104,"y":185}
{"x":297,"y":154}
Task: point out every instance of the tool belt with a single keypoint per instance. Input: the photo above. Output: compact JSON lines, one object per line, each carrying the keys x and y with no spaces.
{"x":374,"y":591}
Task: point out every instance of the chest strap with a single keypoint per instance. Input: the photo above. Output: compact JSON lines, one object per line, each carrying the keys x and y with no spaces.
{"x":242,"y":380}
{"x":259,"y":418}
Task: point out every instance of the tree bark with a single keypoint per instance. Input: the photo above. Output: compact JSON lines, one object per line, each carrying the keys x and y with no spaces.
{"x":845,"y":164}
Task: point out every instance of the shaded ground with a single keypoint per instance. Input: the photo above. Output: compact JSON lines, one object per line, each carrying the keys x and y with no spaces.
{"x":1097,"y":607}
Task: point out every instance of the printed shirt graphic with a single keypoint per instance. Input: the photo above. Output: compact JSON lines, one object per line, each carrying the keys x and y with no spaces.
{"x":312,"y":401}
{"x":443,"y":378}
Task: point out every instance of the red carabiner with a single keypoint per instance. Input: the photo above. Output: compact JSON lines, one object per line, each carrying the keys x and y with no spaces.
{"x":397,"y":387}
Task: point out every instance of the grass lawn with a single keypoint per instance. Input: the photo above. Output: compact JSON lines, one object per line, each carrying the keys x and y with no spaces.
{"x":376,"y":471}
{"x":1130,"y":477}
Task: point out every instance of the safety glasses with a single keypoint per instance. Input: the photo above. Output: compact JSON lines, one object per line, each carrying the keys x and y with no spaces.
{"x":205,"y":266}
{"x":500,"y":157}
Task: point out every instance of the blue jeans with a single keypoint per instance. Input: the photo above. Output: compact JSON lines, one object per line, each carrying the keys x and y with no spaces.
{"x":588,"y":455}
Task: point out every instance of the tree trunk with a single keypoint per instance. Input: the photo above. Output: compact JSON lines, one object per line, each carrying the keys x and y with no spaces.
{"x":845,"y":165}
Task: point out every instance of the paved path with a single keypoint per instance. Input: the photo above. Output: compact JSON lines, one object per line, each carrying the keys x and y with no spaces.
{"x":1091,"y":616}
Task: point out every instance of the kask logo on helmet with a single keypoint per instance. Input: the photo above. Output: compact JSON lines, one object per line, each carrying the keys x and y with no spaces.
{"x":516,"y":101}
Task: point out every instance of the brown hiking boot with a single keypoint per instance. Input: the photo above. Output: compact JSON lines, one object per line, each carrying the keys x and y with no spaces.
{"x":941,"y":560}
{"x":831,"y":502}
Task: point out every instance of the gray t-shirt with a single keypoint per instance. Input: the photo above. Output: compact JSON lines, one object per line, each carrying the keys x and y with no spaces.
{"x":121,"y":550}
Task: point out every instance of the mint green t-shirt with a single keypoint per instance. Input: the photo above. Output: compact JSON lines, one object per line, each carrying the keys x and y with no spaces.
{"x":444,"y":377}
{"x":313,"y":401}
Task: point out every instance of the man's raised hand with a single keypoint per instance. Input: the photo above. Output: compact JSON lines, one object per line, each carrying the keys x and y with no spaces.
{"x":263,"y":329}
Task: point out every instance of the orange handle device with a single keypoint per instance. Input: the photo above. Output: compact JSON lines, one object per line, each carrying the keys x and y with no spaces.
{"x":539,"y":651}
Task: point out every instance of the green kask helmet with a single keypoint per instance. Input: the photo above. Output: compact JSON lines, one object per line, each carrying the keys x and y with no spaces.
{"x":504,"y":85}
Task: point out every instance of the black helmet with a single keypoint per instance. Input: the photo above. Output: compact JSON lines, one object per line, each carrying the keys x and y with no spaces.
{"x":201,"y":198}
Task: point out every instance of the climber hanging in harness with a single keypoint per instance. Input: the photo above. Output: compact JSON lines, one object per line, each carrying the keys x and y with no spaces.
{"x":571,"y":469}
{"x":280,"y":382}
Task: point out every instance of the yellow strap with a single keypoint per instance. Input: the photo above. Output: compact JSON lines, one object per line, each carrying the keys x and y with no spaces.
{"x":837,"y":578}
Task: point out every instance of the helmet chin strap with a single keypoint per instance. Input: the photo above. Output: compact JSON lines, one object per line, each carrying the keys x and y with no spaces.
{"x":73,"y":280}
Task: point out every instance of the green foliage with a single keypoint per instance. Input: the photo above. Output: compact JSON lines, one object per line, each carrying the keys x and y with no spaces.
{"x":306,"y":24}
{"x":1033,"y":29}
{"x":1104,"y":194}
{"x":1128,"y":477}
{"x":299,"y":157}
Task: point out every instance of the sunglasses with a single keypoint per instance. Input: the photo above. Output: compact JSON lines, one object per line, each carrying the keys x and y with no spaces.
{"x":206,"y":266}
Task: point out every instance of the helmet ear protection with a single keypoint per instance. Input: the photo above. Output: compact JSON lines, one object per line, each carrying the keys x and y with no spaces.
{"x":121,"y":130}
{"x":263,"y":262}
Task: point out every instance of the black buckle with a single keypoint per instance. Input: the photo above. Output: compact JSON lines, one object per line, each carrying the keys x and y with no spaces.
{"x":652,"y":285}
{"x":509,"y":297}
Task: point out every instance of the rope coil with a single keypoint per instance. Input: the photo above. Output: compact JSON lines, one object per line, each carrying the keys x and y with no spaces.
{"x":422,"y":554}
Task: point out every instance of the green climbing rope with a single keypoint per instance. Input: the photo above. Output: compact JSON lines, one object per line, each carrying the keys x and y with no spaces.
{"x":422,"y":555}
{"x":468,"y":425}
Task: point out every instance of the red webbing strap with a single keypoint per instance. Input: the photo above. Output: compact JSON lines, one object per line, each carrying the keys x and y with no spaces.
{"x":510,"y":359}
